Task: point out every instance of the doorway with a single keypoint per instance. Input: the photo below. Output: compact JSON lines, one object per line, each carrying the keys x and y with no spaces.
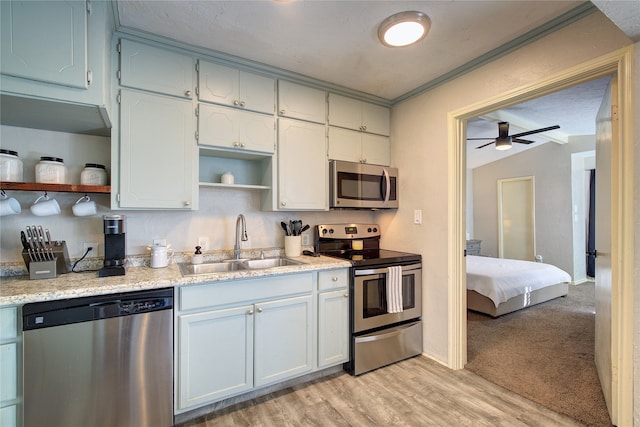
{"x":618,"y":64}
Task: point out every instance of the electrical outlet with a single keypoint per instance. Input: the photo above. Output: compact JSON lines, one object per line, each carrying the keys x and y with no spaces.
{"x":160,"y":242}
{"x":203,"y":242}
{"x":306,"y":239}
{"x":92,"y":252}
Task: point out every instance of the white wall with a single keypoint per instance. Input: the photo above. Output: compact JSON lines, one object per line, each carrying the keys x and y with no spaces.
{"x":419,"y":149}
{"x":215,"y":219}
{"x":550,"y":165}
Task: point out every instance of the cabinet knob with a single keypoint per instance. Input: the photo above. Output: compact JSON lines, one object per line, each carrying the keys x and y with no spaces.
{"x":346,"y":295}
{"x":334,"y":278}
{"x":250,"y":312}
{"x":236,"y":144}
{"x":236,"y":102}
{"x":283,"y":112}
{"x":186,"y":203}
{"x":242,"y":103}
{"x":259,"y":310}
{"x":364,"y":128}
{"x":361,"y":128}
{"x":187,"y":93}
{"x":283,"y":203}
{"x":242,"y":144}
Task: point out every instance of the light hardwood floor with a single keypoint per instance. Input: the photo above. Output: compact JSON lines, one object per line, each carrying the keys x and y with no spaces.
{"x":414,"y":392}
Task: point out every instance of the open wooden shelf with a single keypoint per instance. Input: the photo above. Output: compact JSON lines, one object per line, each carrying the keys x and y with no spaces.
{"x":60,"y":188}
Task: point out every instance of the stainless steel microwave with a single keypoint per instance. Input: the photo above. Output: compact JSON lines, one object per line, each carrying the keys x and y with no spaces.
{"x":362,"y":186}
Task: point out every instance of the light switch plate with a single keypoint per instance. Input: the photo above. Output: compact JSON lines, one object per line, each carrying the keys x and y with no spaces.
{"x":203,"y":242}
{"x":417,"y":216}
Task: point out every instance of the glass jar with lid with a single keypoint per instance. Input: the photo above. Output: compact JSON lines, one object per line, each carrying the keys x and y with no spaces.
{"x":51,"y":170}
{"x":93,"y":174}
{"x":10,"y":166}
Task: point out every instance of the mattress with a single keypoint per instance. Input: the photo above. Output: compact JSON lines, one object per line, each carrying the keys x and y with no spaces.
{"x":502,"y":279}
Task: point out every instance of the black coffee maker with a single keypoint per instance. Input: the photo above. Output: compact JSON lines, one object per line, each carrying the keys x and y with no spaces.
{"x":114,"y":246}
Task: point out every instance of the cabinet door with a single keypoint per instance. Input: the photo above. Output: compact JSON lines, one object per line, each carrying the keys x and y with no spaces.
{"x":155,"y":69}
{"x":345,"y":112}
{"x":301,"y":102}
{"x":302,"y":166}
{"x":229,"y":86}
{"x":345,"y":145}
{"x":45,"y":41}
{"x":158,"y":153}
{"x":376,"y":149}
{"x":234,"y":129}
{"x":215,"y":356}
{"x":376,"y":119}
{"x":333,"y":328}
{"x":283,"y":339}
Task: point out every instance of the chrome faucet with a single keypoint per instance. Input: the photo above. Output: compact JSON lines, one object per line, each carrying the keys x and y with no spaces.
{"x":241,"y":234}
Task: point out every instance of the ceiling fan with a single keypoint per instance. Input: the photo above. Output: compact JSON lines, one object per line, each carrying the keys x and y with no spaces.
{"x":504,"y":140}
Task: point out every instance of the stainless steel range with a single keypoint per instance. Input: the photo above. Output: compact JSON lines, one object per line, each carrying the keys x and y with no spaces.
{"x":385,"y":295}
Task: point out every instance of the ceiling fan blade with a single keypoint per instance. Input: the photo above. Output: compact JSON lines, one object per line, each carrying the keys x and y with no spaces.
{"x":522,"y":141}
{"x":531,"y":132}
{"x":478,"y":139}
{"x":485,"y":144}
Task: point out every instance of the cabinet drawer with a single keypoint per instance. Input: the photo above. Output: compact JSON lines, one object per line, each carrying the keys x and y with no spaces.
{"x":333,"y":279}
{"x":8,"y":323}
{"x":241,"y":290}
{"x":9,"y":369}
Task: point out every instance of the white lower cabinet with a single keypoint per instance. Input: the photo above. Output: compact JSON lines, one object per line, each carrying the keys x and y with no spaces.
{"x":237,"y":335}
{"x":10,"y":368}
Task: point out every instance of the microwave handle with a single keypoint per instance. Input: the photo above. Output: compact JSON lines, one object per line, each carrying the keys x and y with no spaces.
{"x":388,"y":181}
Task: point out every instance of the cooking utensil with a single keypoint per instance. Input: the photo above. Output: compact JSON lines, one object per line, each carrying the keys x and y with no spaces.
{"x":285,"y":227}
{"x":305,"y":228}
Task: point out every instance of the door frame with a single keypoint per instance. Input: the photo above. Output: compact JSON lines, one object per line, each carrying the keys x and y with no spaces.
{"x":499,"y":189}
{"x":620,"y":63}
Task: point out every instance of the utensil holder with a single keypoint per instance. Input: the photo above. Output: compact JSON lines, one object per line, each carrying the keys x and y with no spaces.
{"x":292,"y":246}
{"x":43,"y":269}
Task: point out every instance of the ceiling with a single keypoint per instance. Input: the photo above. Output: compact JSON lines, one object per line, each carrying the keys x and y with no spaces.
{"x":335,"y":41}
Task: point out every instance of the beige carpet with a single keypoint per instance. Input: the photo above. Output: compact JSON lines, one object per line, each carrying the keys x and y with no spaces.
{"x":544,"y":353}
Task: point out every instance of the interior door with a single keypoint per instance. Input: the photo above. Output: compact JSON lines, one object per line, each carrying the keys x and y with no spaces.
{"x":516,"y":218}
{"x":605,"y":363}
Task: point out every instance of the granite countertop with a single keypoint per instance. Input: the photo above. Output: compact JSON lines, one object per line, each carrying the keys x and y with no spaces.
{"x":18,"y":290}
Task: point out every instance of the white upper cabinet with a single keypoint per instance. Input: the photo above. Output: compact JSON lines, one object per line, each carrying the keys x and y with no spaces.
{"x":358,"y":115}
{"x":157,"y":70}
{"x":301,"y":102}
{"x":157,"y":153}
{"x":359,"y":147}
{"x":45,"y":41}
{"x":302,"y":166}
{"x":229,"y":86}
{"x":229,"y":128}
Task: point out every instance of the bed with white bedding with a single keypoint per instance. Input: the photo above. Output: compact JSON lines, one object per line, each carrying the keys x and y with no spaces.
{"x":497,"y":286}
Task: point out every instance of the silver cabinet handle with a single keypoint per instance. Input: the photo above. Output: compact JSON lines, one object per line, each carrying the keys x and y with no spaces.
{"x":346,"y":295}
{"x":187,"y":93}
{"x":364,"y":128}
{"x":334,"y":278}
{"x":250,"y":312}
{"x":187,"y":203}
{"x":283,"y":203}
{"x":236,"y":102}
{"x":242,"y":144}
{"x":259,"y":310}
{"x":242,"y":103}
{"x":283,"y":112}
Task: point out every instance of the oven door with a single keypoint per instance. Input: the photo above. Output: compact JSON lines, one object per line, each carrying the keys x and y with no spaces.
{"x":370,"y":297}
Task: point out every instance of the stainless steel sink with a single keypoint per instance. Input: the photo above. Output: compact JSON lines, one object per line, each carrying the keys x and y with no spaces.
{"x":188,"y":269}
{"x":255,"y":264}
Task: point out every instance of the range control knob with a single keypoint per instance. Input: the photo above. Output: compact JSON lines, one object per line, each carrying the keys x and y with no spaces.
{"x":369,"y":230}
{"x":375,"y":230}
{"x":331,"y":231}
{"x":324,"y":231}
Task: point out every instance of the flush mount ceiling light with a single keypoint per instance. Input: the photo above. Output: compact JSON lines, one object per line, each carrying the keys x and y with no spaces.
{"x":503,"y":143}
{"x":404,"y":29}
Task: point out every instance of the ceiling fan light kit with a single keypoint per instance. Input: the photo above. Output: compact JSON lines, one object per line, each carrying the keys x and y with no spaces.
{"x":503,"y":143}
{"x":404,"y":29}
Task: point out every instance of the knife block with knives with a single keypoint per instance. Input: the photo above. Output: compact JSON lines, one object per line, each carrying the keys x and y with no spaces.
{"x":43,"y":257}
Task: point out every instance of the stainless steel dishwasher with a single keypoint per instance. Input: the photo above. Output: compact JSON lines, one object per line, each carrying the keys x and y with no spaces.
{"x":104,"y":361}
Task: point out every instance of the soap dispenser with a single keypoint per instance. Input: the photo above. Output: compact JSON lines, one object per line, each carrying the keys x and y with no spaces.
{"x":197,"y":256}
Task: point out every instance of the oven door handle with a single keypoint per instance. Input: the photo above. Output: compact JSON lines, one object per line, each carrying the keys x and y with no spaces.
{"x":378,"y":337}
{"x":372,"y":271}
